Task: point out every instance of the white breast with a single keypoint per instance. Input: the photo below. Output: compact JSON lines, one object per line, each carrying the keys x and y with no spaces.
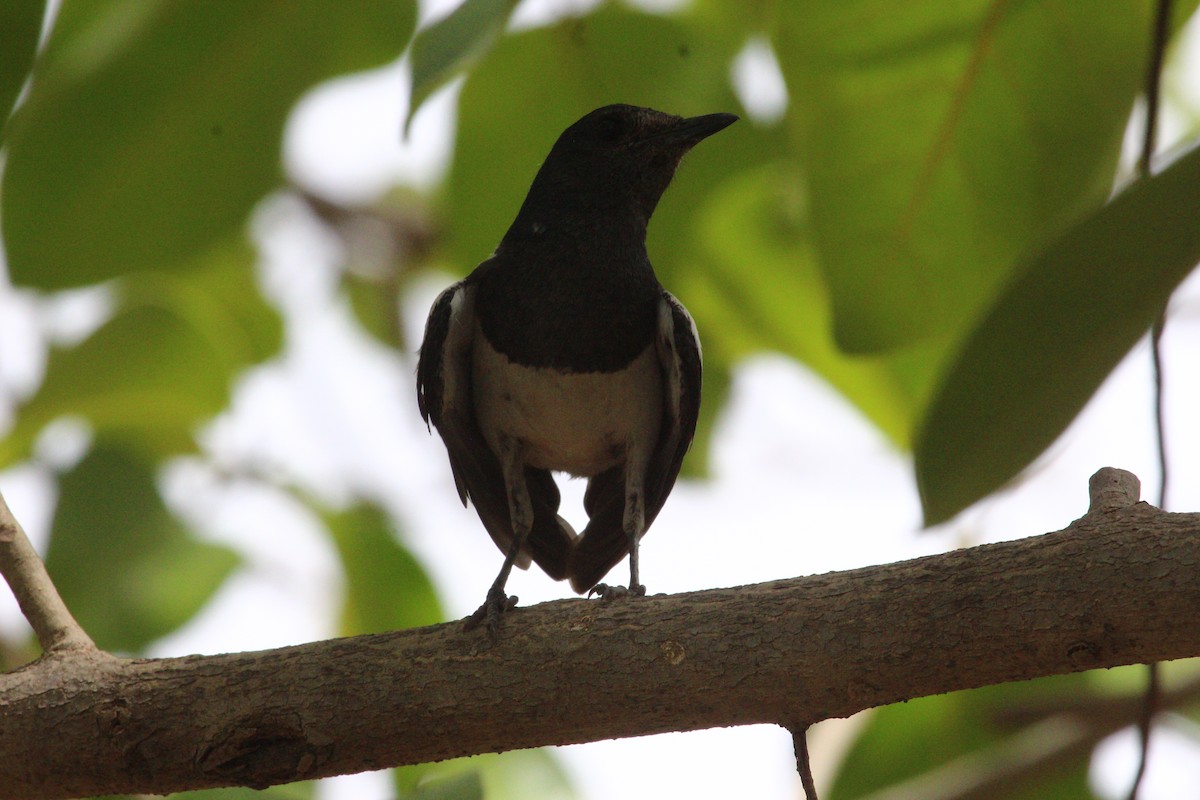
{"x":576,"y":423}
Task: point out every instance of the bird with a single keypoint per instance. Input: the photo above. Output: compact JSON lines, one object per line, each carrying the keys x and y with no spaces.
{"x":562,"y":352}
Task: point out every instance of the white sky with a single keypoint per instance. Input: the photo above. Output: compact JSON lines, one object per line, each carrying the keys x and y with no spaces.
{"x":800,"y":483}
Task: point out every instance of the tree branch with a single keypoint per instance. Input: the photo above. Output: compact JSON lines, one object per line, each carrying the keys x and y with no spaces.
{"x":1111,"y":589}
{"x":56,"y":630}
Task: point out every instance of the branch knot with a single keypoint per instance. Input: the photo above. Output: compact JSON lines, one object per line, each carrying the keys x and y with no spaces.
{"x":1112,"y":489}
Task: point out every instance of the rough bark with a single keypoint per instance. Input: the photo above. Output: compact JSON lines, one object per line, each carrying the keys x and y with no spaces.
{"x":1116,"y":587}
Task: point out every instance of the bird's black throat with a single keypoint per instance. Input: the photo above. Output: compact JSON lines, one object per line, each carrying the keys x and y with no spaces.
{"x":571,"y":300}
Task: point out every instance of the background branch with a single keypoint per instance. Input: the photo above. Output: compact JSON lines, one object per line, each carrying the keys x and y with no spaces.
{"x":52,"y":623}
{"x":1108,"y":590}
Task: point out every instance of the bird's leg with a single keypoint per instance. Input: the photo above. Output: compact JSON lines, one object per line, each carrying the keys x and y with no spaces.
{"x":498,"y":601}
{"x":634,"y":524}
{"x":520,"y":513}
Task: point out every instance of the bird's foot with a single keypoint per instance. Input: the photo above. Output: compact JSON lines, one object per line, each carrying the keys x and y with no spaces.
{"x":497,"y":603}
{"x":609,"y":593}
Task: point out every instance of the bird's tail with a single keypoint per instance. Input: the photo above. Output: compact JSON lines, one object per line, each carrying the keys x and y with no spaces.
{"x":603,"y":542}
{"x":552,"y":538}
{"x":594,"y":556}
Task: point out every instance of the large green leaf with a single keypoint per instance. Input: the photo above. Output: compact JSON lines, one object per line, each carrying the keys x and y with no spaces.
{"x":452,"y":44}
{"x":20,"y":25}
{"x":127,"y":569}
{"x":386,"y":587}
{"x":942,"y":142}
{"x":153,"y":127}
{"x":1053,"y":336}
{"x":759,"y":289}
{"x":165,"y":361}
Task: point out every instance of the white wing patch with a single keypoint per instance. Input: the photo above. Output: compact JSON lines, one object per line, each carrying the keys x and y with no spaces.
{"x":668,"y":354}
{"x":456,"y":352}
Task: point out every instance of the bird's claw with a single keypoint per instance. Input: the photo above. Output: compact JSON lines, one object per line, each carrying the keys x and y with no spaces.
{"x":492,"y":611}
{"x":609,"y":593}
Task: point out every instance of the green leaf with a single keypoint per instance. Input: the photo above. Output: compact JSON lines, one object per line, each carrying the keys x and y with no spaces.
{"x":373,"y":303}
{"x":127,"y":569}
{"x":152,"y":128}
{"x":758,"y":287}
{"x":386,"y":587}
{"x":147,"y":376}
{"x":452,"y":44}
{"x":1053,"y":336}
{"x":220,"y":293}
{"x":943,"y":142}
{"x":461,"y":786}
{"x":503,"y":776}
{"x":301,"y":790}
{"x":20,"y":26}
{"x":165,"y":361}
{"x":961,"y":740}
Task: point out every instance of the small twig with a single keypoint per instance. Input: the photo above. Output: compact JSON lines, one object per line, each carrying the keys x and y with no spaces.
{"x":1150,"y":703}
{"x":800,"y":742}
{"x":1160,"y":427}
{"x":22,"y":568}
{"x":1158,"y":50}
{"x":1152,"y":699}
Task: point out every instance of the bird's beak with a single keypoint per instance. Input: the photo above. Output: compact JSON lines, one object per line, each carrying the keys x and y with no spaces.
{"x":691,"y":130}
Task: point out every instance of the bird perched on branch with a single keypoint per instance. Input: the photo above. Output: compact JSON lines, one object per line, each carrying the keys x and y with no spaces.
{"x":563,"y":353}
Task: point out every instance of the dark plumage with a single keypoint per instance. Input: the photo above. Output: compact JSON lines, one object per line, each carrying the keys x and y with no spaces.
{"x":563,"y":352}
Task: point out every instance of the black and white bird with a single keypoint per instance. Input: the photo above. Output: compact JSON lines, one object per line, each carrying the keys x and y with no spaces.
{"x":563,"y":353}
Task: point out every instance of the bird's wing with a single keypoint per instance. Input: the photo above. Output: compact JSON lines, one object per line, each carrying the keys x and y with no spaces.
{"x":445,"y":399}
{"x":679,"y":353}
{"x":604,"y":542}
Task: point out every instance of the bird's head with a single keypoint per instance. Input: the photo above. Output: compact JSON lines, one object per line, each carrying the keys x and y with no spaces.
{"x":616,"y":159}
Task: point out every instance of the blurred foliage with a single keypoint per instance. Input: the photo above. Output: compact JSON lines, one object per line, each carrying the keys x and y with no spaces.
{"x":301,"y":790}
{"x":1018,"y":741}
{"x":927,"y":227}
{"x":20,"y":25}
{"x":1128,"y":255}
{"x":386,"y":589}
{"x":182,"y":104}
{"x":945,"y":141}
{"x":516,"y":775}
{"x":452,"y":44}
{"x":966,"y":749}
{"x":126,"y":568}
{"x":162,"y":364}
